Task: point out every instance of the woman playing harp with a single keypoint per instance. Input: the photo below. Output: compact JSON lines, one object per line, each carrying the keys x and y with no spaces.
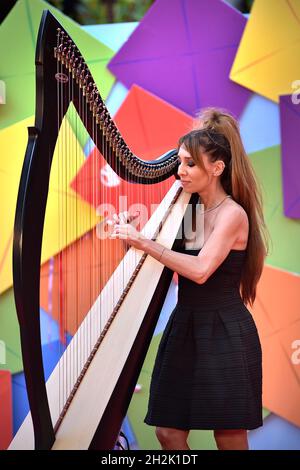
{"x":208,"y":369}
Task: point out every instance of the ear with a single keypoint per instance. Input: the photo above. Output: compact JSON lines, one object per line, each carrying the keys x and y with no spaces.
{"x":219,"y":167}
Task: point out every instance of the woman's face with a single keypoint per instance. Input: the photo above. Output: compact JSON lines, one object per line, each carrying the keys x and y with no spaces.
{"x":193,"y":178}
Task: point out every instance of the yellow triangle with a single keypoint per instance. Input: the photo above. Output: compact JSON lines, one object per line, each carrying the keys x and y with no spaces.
{"x":67,"y":216}
{"x":267,"y":60}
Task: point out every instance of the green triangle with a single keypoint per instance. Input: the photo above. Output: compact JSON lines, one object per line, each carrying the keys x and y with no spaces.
{"x":18,"y":34}
{"x":138,"y":407}
{"x":284,"y":232}
{"x":10,"y":335}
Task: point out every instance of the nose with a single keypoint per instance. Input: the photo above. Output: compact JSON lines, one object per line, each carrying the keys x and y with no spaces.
{"x":181,"y":171}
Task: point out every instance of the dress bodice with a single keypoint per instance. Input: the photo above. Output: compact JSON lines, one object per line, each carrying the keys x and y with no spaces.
{"x":222,"y":287}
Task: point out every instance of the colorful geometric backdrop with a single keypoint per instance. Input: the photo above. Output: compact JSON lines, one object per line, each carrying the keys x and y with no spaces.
{"x":155,"y":75}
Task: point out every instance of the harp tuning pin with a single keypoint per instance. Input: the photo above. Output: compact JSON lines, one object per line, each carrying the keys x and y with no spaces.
{"x":94,"y":108}
{"x":63,"y":55}
{"x":57,"y":52}
{"x":77,"y":74}
{"x":92,"y":92}
{"x":74,"y":65}
{"x":83,"y":82}
{"x":88,"y":92}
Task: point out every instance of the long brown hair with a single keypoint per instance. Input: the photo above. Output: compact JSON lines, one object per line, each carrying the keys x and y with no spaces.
{"x":217,"y":134}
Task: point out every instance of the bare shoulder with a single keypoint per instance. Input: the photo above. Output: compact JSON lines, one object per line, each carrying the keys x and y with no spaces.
{"x":233,"y":212}
{"x":235,"y":218}
{"x":239,"y":211}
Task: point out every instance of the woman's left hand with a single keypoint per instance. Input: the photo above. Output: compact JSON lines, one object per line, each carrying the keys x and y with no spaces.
{"x":127,"y":232}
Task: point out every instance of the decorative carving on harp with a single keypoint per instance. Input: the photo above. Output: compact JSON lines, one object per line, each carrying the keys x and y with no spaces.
{"x":99,"y":386}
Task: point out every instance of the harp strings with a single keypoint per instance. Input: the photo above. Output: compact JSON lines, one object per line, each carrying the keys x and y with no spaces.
{"x":85,"y":264}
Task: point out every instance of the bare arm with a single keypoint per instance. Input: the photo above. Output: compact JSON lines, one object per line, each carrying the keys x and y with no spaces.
{"x":215,"y":250}
{"x":221,"y":240}
{"x":185,"y":265}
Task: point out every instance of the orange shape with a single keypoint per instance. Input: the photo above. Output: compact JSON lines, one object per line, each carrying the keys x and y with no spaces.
{"x":281,"y":391}
{"x":279,"y":290}
{"x":276,"y":313}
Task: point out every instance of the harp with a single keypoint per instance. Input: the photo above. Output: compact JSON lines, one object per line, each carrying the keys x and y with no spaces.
{"x":100,"y":385}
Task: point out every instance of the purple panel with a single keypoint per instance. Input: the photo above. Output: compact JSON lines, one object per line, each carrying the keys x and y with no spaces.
{"x":182,"y":51}
{"x":290,"y":155}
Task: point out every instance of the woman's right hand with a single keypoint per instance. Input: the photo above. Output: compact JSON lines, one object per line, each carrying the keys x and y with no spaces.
{"x":123,"y":218}
{"x":107,"y":227}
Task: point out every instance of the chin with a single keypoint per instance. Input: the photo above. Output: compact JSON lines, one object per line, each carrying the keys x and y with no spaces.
{"x":188,"y":190}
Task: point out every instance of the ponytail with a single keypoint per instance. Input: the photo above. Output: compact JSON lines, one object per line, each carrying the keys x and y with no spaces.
{"x":217,"y":134}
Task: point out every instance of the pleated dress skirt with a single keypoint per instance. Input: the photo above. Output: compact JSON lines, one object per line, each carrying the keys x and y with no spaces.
{"x":208,"y":369}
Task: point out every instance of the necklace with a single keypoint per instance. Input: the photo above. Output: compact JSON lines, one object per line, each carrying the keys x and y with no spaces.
{"x":214,"y":207}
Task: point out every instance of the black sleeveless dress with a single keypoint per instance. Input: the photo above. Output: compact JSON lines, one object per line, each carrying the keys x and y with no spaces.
{"x":208,"y":368}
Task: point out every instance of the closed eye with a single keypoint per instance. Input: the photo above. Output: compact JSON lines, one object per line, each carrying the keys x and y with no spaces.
{"x":189,"y":162}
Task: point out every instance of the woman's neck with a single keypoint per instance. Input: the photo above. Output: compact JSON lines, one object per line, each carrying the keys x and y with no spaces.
{"x":211,"y":199}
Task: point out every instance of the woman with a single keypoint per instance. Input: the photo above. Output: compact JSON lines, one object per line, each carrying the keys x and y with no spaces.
{"x":207,"y":373}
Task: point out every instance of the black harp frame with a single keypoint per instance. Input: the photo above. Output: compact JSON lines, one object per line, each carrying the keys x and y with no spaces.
{"x":54,"y":45}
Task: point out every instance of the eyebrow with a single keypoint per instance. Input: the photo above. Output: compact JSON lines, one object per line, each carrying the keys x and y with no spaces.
{"x":187,"y":158}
